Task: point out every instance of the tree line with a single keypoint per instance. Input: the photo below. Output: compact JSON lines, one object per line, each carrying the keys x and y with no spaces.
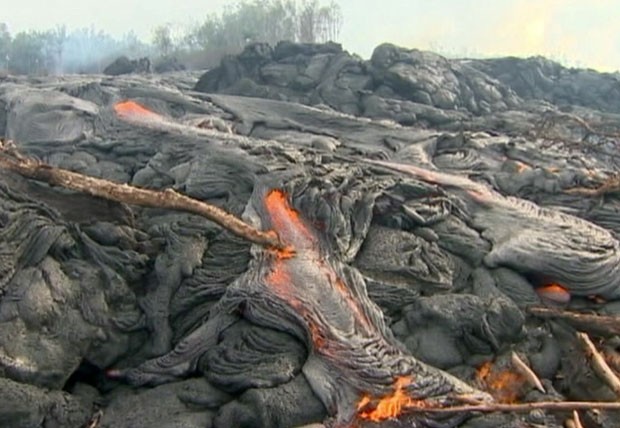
{"x":89,"y":50}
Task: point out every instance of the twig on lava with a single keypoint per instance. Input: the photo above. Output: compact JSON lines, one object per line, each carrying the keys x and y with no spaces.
{"x":610,"y":185}
{"x":95,"y":419}
{"x":601,"y":324}
{"x":526,"y":372}
{"x":550,"y":118}
{"x":12,"y":160}
{"x":599,"y":365}
{"x":524,"y":407}
{"x":544,"y":129}
{"x":575,"y":422}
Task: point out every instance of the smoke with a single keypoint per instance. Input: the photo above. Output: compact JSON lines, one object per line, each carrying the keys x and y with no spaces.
{"x":575,"y":32}
{"x":89,"y":50}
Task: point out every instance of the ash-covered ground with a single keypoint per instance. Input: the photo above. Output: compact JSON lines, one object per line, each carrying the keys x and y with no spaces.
{"x":443,"y":192}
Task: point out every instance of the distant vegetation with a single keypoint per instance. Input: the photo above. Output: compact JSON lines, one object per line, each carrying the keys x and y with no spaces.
{"x":89,"y":50}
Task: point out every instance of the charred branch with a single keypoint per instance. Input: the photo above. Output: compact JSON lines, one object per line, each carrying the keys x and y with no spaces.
{"x":12,"y":160}
{"x":608,"y":186}
{"x":599,"y":324}
{"x":575,"y":422}
{"x":558,"y":406}
{"x":527,"y":372}
{"x":599,"y":365}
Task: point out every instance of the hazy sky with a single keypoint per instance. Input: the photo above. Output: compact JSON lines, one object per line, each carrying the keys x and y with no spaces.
{"x":578,"y":32}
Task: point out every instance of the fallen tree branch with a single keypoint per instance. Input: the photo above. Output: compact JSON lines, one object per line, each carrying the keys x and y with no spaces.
{"x":599,"y":365}
{"x":575,"y":422}
{"x":525,"y":407}
{"x":609,"y":186}
{"x":526,"y":372}
{"x":600,"y":324}
{"x":12,"y":160}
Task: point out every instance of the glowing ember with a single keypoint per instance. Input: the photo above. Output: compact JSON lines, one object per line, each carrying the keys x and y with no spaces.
{"x":390,"y":406}
{"x":131,"y":109}
{"x":554,"y":292}
{"x":504,"y":385}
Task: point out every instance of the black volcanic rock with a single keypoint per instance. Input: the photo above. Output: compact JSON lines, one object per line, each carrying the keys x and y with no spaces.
{"x":428,"y":78}
{"x":442,"y":225}
{"x":543,"y":79}
{"x":168,"y":64}
{"x":408,"y":84}
{"x":124,"y":65}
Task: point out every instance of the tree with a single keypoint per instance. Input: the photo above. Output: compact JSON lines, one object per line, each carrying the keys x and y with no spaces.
{"x":5,"y":46}
{"x":267,"y":21}
{"x":56,"y":41}
{"x":317,"y":24}
{"x":26,"y":55}
{"x":162,"y":39}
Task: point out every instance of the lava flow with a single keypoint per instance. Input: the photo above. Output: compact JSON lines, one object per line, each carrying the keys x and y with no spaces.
{"x":554,"y":292}
{"x":132,"y":110}
{"x":358,"y":370}
{"x":355,"y":366}
{"x":300,"y":241}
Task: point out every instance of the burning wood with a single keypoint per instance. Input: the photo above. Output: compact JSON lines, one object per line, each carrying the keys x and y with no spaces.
{"x":504,"y":384}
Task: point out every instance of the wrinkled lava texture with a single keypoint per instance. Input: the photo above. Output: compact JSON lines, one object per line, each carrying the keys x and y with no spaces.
{"x":422,"y":204}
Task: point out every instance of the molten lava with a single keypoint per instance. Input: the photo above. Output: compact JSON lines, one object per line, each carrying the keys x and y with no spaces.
{"x":286,"y":220}
{"x":389,"y":406}
{"x":554,"y":292}
{"x":299,"y":239}
{"x":342,"y":326}
{"x":504,"y":385}
{"x":131,"y":109}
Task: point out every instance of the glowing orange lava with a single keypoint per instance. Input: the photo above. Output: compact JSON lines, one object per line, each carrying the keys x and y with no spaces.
{"x":390,"y":406}
{"x":554,"y":292}
{"x":504,"y":385}
{"x":133,"y":109}
{"x":521,"y":167}
{"x":286,"y":220}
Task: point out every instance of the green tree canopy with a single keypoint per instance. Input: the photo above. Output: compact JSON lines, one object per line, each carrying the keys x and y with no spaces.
{"x":26,"y":55}
{"x":269,"y":21}
{"x":5,"y":45}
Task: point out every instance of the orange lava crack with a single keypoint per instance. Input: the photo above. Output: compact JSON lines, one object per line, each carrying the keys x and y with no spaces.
{"x":133,"y":109}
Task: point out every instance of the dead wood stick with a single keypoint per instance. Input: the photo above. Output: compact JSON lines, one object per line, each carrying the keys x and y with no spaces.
{"x":525,"y":407}
{"x":527,"y":372}
{"x":599,"y":365}
{"x":601,"y":324}
{"x":576,"y":420}
{"x":609,"y":186}
{"x":31,"y":168}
